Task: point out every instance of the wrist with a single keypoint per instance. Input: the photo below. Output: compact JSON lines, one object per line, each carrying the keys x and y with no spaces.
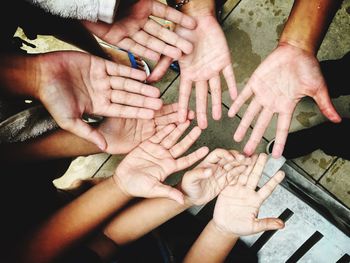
{"x":187,"y":200}
{"x":219,"y":230}
{"x":297,"y":43}
{"x":119,"y":186}
{"x":197,"y":8}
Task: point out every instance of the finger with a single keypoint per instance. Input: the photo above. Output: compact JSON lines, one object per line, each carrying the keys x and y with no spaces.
{"x":266,"y":224}
{"x":153,"y":43}
{"x":119,"y":83}
{"x":240,"y":157}
{"x":161,"y":190}
{"x":218,"y":154}
{"x":192,"y":158}
{"x":255,"y":175}
{"x":265,"y":191}
{"x":168,"y":36}
{"x":241,"y":99}
{"x":171,"y":14}
{"x":172,"y":138}
{"x":123,"y":111}
{"x":234,"y":172}
{"x":131,"y":99}
{"x":114,"y":69}
{"x":184,"y":97}
{"x":137,"y":49}
{"x":160,"y":69}
{"x":253,"y":109}
{"x":258,"y":131}
{"x":283,"y":124}
{"x":166,"y":109}
{"x":326,"y":106}
{"x":243,"y":178}
{"x":182,"y":146}
{"x":201,"y":103}
{"x":159,"y":136}
{"x":215,"y":90}
{"x":230,"y":81}
{"x":85,"y":131}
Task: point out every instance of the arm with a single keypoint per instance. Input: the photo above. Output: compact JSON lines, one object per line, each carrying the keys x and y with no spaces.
{"x":288,"y":74}
{"x":235,"y":215}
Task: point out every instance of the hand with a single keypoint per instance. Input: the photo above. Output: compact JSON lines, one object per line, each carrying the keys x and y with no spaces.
{"x":143,"y":170}
{"x":210,"y":56}
{"x":73,"y":83}
{"x":237,"y":206}
{"x":123,"y":135}
{"x":219,"y":169}
{"x":135,"y":31}
{"x":278,"y":84}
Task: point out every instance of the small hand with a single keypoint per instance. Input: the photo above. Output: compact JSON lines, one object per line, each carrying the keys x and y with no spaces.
{"x":135,"y":31}
{"x":277,"y":85}
{"x":73,"y":83}
{"x":214,"y":173}
{"x":143,"y":170}
{"x":210,"y":57}
{"x":124,"y":134}
{"x":237,"y":206}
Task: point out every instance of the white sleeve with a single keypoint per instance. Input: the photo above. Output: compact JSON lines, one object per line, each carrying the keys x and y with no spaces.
{"x":107,"y":9}
{"x":77,"y":9}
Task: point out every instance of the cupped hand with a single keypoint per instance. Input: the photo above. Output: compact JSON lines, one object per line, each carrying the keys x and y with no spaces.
{"x":237,"y":207}
{"x":210,"y":58}
{"x":143,"y":170}
{"x":72,"y":83}
{"x":219,"y":169}
{"x":286,"y":76}
{"x":136,"y":31}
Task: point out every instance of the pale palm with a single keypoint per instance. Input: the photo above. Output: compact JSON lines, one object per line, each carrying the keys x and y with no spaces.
{"x":286,"y":76}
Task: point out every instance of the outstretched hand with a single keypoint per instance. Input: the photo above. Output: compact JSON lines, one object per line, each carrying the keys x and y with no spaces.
{"x":143,"y":170}
{"x":237,"y":206}
{"x":210,"y":57}
{"x":135,"y":31}
{"x":73,"y":83}
{"x":286,"y":76}
{"x":219,"y":169}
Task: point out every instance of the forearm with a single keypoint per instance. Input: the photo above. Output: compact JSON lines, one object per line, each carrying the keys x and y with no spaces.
{"x":211,"y":246}
{"x":308,"y":23}
{"x":199,"y":8}
{"x":141,"y":218}
{"x":74,"y":221}
{"x":18,"y":75}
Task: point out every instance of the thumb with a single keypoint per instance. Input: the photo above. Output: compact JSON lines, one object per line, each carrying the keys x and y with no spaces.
{"x":167,"y":191}
{"x":85,"y":131}
{"x":160,"y":69}
{"x":265,"y":224}
{"x":326,"y":106}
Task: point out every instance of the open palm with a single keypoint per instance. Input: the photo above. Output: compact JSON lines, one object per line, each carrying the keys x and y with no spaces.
{"x":135,"y":31}
{"x":237,"y":206}
{"x":143,"y":170}
{"x":286,"y":76}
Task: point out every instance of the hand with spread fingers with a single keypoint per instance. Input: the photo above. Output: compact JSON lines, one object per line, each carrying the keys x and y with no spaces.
{"x":202,"y":68}
{"x":124,"y":134}
{"x":136,"y":31}
{"x":219,"y":169}
{"x":237,"y":207}
{"x":83,"y":84}
{"x":143,"y":171}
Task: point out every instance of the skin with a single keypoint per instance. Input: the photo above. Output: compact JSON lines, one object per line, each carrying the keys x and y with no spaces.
{"x":202,"y":68}
{"x":235,"y":215}
{"x":135,"y":31}
{"x":288,"y":74}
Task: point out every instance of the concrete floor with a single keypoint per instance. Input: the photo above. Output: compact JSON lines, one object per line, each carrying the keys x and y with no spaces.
{"x":252,"y":29}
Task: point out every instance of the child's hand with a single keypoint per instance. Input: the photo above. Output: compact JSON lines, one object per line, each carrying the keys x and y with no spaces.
{"x":237,"y":206}
{"x":214,"y":173}
{"x":123,"y":135}
{"x":143,"y":170}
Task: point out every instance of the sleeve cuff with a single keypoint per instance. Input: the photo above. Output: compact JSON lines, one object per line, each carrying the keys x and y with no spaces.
{"x":107,"y":10}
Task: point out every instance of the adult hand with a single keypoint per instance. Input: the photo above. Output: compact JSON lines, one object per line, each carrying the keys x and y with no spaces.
{"x":135,"y":31}
{"x":214,"y":173}
{"x":124,"y":134}
{"x":210,"y":57}
{"x":143,"y":170}
{"x":73,"y":83}
{"x":277,"y":85}
{"x":237,"y":206}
